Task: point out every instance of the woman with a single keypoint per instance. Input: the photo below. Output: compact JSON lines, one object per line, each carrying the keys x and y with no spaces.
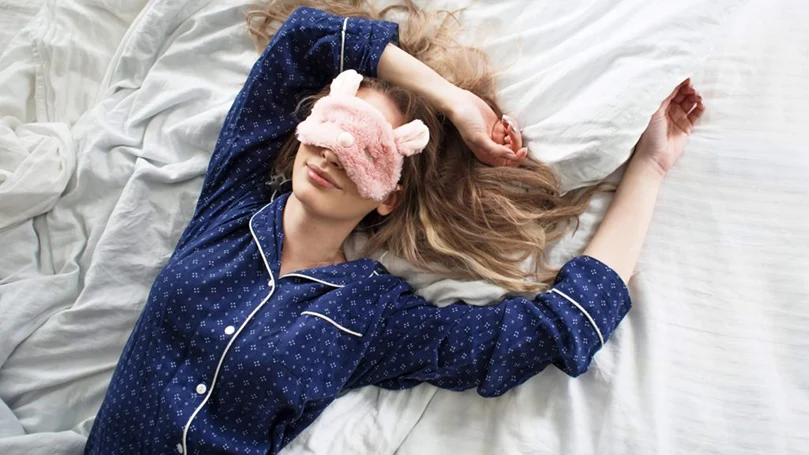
{"x":258,"y":321}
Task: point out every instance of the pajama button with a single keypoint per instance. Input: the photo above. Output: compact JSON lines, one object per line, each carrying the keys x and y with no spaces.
{"x":201,"y":388}
{"x":229,"y":330}
{"x":179,"y":448}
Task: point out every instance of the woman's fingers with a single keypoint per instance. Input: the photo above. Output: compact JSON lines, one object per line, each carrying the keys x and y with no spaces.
{"x":513,"y":137}
{"x":520,"y":156}
{"x":510,"y":122}
{"x":689,"y":103}
{"x":497,"y":150}
{"x":498,"y":132}
{"x":685,"y":114}
{"x":501,"y":155}
{"x":503,"y":147}
{"x":696,"y":113}
{"x":672,"y":98}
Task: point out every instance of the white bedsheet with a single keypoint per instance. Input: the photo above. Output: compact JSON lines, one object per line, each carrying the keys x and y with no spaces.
{"x":711,"y":359}
{"x":713,"y":356}
{"x":15,"y":15}
{"x":50,"y":74}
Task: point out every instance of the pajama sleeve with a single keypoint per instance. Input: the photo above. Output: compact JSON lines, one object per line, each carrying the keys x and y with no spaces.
{"x":498,"y":347}
{"x":302,"y":58}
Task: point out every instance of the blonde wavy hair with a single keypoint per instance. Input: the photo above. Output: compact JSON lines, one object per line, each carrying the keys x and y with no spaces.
{"x":458,"y":217}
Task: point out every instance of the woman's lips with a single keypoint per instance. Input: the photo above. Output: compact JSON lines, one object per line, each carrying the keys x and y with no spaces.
{"x":319,"y":177}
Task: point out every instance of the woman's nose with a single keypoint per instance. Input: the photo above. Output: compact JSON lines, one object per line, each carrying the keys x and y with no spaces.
{"x":331,"y":157}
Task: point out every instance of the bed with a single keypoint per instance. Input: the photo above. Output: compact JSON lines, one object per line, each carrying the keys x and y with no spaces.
{"x":97,"y":182}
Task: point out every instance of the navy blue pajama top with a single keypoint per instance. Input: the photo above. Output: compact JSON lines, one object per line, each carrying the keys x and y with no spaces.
{"x":229,"y":356}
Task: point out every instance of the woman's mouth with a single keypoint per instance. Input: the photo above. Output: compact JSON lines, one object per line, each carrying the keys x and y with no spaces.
{"x":320,"y":178}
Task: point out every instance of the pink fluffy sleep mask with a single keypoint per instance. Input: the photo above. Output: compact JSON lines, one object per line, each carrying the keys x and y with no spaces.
{"x":370,"y":150}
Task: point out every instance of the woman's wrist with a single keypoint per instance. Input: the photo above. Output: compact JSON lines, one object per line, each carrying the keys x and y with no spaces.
{"x":619,"y":238}
{"x":651,"y":171}
{"x":446,"y":97}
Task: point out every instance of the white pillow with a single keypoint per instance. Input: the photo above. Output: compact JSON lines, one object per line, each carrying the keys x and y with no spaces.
{"x":583,"y":76}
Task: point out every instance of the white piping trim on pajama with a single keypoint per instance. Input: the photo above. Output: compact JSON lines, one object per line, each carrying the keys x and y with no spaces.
{"x":331,"y":321}
{"x":232,"y":338}
{"x":586,"y":314}
{"x":264,"y":258}
{"x":300,"y":275}
{"x":272,"y":279}
{"x":343,"y":42}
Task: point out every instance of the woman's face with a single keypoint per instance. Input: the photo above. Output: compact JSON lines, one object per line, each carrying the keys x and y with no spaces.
{"x":320,"y":183}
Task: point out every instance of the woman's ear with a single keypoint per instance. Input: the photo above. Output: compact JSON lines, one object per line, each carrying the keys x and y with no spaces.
{"x":389,"y":204}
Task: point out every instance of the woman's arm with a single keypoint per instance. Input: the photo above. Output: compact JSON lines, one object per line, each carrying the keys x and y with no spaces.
{"x":476,"y":121}
{"x":496,"y":348}
{"x":618,"y":240}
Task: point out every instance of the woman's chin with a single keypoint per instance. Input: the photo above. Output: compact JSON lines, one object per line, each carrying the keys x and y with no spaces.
{"x":315,"y":199}
{"x":333,"y":204}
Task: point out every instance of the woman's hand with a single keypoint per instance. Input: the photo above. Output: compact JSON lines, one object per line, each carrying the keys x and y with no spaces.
{"x":619,"y":237}
{"x":663,"y":141}
{"x":494,"y":141}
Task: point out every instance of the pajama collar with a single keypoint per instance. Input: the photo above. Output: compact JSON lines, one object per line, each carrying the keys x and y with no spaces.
{"x":267,"y":229}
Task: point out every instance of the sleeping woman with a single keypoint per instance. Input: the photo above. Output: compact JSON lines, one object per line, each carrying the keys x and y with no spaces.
{"x":259,"y":321}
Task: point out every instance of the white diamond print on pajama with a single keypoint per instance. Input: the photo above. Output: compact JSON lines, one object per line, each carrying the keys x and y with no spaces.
{"x":230,"y":357}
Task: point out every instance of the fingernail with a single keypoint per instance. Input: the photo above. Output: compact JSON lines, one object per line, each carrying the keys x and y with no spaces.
{"x":511,"y":122}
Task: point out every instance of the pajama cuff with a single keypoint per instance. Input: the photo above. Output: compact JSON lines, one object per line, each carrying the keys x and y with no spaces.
{"x":597,"y":291}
